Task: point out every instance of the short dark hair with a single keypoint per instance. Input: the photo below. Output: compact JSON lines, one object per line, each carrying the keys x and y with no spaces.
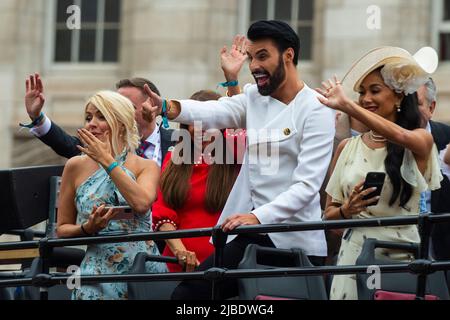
{"x":138,"y":83}
{"x":279,"y":32}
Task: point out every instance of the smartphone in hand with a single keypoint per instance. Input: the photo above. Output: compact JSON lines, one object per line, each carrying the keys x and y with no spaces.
{"x":123,"y":212}
{"x":374,"y":180}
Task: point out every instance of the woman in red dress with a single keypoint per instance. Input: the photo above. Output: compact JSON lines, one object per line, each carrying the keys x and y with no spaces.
{"x":192,"y":195}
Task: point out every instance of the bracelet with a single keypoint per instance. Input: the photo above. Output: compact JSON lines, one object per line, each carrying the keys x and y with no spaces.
{"x":34,"y":123}
{"x":164,"y":115}
{"x":227,"y":84}
{"x":342,"y":213}
{"x":228,"y":93}
{"x":112,"y":167}
{"x":161,"y":222}
{"x":84,"y":231}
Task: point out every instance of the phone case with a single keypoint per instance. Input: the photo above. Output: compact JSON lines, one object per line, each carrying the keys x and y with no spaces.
{"x":374,"y":180}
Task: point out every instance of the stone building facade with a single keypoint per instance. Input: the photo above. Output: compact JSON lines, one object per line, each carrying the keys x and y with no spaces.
{"x":176,"y":44}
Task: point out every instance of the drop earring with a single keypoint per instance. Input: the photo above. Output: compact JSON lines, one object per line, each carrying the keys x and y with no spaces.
{"x":399,"y":108}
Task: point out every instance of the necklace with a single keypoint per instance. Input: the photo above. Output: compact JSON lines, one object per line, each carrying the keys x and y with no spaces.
{"x":376,"y":138}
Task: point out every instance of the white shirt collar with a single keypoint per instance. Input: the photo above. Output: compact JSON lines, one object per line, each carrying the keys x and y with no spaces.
{"x":428,"y":127}
{"x":154,"y":137}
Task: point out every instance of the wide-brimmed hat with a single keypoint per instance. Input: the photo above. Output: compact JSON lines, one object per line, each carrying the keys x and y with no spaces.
{"x":406,"y":75}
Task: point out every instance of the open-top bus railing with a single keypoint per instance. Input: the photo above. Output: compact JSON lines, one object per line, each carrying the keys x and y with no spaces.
{"x":421,"y":266}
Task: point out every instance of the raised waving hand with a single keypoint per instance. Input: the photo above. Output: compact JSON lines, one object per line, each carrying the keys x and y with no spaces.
{"x":34,"y":96}
{"x":232,"y":60}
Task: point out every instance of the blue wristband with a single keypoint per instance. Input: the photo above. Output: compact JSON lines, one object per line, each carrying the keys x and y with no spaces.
{"x":164,"y":115}
{"x":34,"y":123}
{"x":229,"y":84}
{"x":112,"y":167}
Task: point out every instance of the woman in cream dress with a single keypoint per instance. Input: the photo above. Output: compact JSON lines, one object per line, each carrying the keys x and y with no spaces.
{"x":387,"y":80}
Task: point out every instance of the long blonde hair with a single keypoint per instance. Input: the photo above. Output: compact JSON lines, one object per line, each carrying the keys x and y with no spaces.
{"x":119,"y":114}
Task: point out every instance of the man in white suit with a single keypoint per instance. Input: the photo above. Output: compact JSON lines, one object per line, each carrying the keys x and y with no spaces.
{"x":282,"y":112}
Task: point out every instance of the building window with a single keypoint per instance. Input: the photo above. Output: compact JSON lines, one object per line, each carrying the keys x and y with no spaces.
{"x":298,"y":13}
{"x":444,"y":31}
{"x":98,"y":39}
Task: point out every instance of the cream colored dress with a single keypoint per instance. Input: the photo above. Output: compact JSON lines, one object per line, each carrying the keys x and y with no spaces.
{"x":355,"y":161}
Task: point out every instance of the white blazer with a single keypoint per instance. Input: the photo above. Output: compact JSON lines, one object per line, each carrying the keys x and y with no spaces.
{"x":286,"y":189}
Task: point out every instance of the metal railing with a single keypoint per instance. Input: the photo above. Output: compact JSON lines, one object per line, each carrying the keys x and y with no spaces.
{"x":421,"y":266}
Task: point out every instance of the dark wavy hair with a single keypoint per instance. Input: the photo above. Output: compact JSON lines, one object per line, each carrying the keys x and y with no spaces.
{"x":408,"y":118}
{"x":175,"y":179}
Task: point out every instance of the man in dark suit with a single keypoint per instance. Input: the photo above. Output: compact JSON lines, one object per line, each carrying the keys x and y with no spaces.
{"x":155,"y":140}
{"x":439,"y":201}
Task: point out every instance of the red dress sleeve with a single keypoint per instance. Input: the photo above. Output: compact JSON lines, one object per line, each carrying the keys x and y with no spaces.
{"x":236,"y":143}
{"x":161,"y":212}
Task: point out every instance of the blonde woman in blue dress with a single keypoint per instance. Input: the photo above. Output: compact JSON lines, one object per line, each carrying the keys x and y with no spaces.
{"x":108,"y":173}
{"x":386,"y":79}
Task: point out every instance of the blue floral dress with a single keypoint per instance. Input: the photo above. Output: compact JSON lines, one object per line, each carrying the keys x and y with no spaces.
{"x":114,"y":258}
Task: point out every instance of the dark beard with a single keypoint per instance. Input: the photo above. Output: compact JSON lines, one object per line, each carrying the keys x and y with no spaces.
{"x":275,"y":80}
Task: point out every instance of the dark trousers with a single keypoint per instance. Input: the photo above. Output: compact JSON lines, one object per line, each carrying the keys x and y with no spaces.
{"x":232,"y":256}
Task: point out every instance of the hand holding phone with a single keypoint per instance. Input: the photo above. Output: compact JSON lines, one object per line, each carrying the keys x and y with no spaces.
{"x":121,"y":212}
{"x":374,"y":180}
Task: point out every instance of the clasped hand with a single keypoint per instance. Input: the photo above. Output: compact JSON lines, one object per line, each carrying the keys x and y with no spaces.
{"x":187,"y":259}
